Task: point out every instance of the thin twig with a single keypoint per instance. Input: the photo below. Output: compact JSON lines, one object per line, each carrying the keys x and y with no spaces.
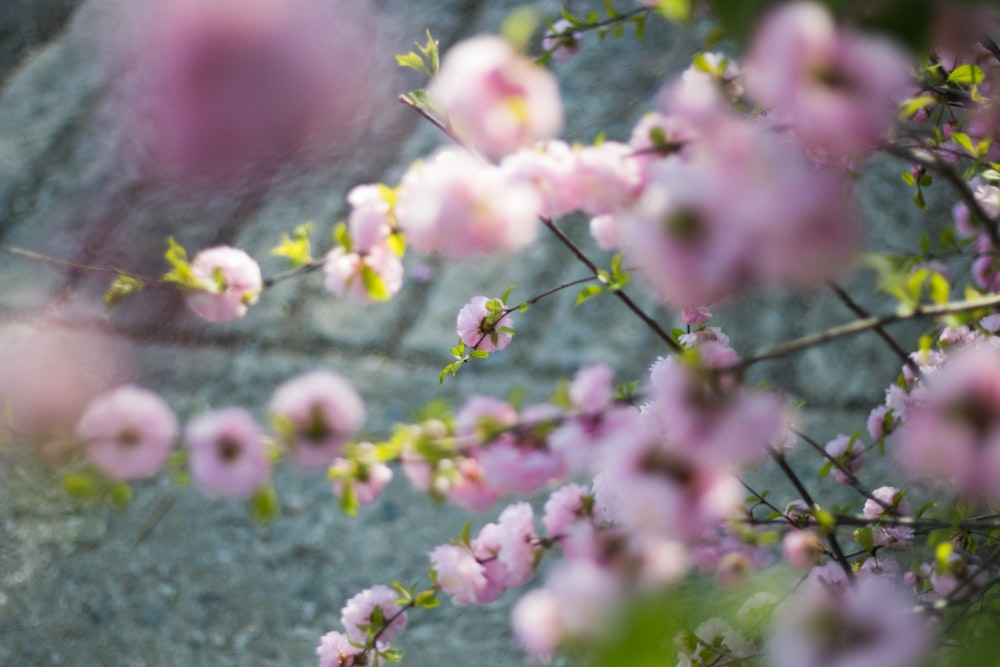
{"x":856,"y":308}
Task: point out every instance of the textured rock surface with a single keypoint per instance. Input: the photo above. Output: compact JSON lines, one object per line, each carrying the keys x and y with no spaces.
{"x":204,"y":585}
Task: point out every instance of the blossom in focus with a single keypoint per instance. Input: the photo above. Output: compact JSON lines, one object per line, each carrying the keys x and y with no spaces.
{"x":128,"y":432}
{"x":888,"y":501}
{"x":849,"y":452}
{"x":231,"y":281}
{"x":456,"y":205}
{"x":497,"y":98}
{"x":458,"y":573}
{"x":357,"y":613}
{"x":227,"y":453}
{"x":835,"y":88}
{"x":317,"y":413}
{"x":336,"y":650}
{"x":480,"y":327}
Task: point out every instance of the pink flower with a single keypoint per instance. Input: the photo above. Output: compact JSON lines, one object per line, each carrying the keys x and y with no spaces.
{"x":458,"y":573}
{"x":497,"y":98}
{"x":370,"y":222}
{"x":951,"y":431}
{"x":357,"y":614}
{"x":547,"y":168}
{"x":801,"y":548}
{"x":456,"y":205}
{"x":536,"y":623}
{"x":375,"y":275}
{"x":316,"y":414}
{"x":364,"y":472}
{"x":480,"y":324}
{"x":227,"y":453}
{"x":336,"y":650}
{"x":562,"y":42}
{"x":892,"y":498}
{"x":128,"y":432}
{"x":869,"y":624}
{"x":877,"y":420}
{"x":591,"y":391}
{"x":849,"y":453}
{"x":835,"y":88}
{"x":507,"y":550}
{"x":604,"y":178}
{"x":695,"y":315}
{"x":565,"y":507}
{"x":230,"y":280}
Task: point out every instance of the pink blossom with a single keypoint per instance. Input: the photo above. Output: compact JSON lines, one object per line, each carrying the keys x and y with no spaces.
{"x":459,"y":206}
{"x":849,"y":452}
{"x":316,"y":413}
{"x":536,"y":622}
{"x":696,"y":315}
{"x":128,"y":432}
{"x":565,"y":507}
{"x":376,"y":275}
{"x":951,"y":432}
{"x":357,"y":615}
{"x":364,"y":472}
{"x":336,"y":650}
{"x":481,"y":329}
{"x":836,"y":89}
{"x":463,"y":480}
{"x":227,"y":453}
{"x":606,"y":232}
{"x":370,"y":222}
{"x":497,"y":98}
{"x":604,"y":179}
{"x":548,"y":168}
{"x":230,"y":280}
{"x":877,"y":420}
{"x":562,"y":42}
{"x":869,"y":624}
{"x":513,"y":465}
{"x":591,"y":391}
{"x":458,"y":573}
{"x":507,"y":548}
{"x":801,"y":548}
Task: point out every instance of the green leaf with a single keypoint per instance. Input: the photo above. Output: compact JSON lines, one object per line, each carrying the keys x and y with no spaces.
{"x":85,"y":486}
{"x":939,"y":288}
{"x":427,"y":599}
{"x":825,"y":470}
{"x":413,"y":61}
{"x":966,"y":75}
{"x":908,"y":178}
{"x":120,"y":494}
{"x":588,"y":292}
{"x":430,"y":51}
{"x":519,"y":26}
{"x":911,"y":106}
{"x":609,"y":9}
{"x":864,"y":537}
{"x":677,"y":11}
{"x":404,"y":593}
{"x":374,"y":284}
{"x":342,"y":237}
{"x":296,"y":247}
{"x":963,"y":140}
{"x":397,"y":244}
{"x":348,"y":498}
{"x":393,"y":655}
{"x":180,"y":271}
{"x":121,"y":287}
{"x":265,"y":504}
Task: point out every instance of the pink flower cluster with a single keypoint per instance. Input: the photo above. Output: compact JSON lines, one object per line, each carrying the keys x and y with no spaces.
{"x":480,"y":328}
{"x":230,"y":282}
{"x":371,"y":620}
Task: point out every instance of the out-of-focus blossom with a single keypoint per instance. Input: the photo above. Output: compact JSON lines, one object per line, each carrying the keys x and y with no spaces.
{"x":835,"y":88}
{"x":458,"y":573}
{"x":869,"y":624}
{"x":336,"y":650}
{"x":317,"y":413}
{"x":849,"y":452}
{"x":561,"y":41}
{"x":230,"y":280}
{"x":497,"y":98}
{"x":370,"y":221}
{"x":128,"y":432}
{"x":227,"y":453}
{"x":888,"y":501}
{"x":951,"y":431}
{"x":801,"y":548}
{"x":365,"y":473}
{"x":375,"y":275}
{"x":456,"y":205}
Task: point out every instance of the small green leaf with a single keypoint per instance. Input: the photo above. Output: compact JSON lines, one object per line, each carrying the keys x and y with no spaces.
{"x":393,"y":655}
{"x":120,"y":494}
{"x":121,"y":287}
{"x":413,"y":61}
{"x":180,"y":271}
{"x":374,"y":284}
{"x":911,"y":106}
{"x":864,"y":537}
{"x":397,"y":244}
{"x":85,"y":486}
{"x":427,"y":599}
{"x":465,"y":535}
{"x":265,"y":504}
{"x":939,"y":288}
{"x":966,"y":75}
{"x":588,"y":292}
{"x":963,"y":140}
{"x":342,"y":237}
{"x":348,"y":498}
{"x":677,"y":11}
{"x":908,"y":178}
{"x":519,"y":26}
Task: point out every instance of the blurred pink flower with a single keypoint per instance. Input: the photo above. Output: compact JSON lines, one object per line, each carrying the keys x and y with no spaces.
{"x":336,"y":650}
{"x":370,"y":221}
{"x":835,"y":88}
{"x":318,"y":413}
{"x":457,"y":205}
{"x":562,"y":42}
{"x":128,"y":432}
{"x":226,"y":453}
{"x":495,"y":97}
{"x":458,"y":573}
{"x":231,"y":282}
{"x":346,"y":273}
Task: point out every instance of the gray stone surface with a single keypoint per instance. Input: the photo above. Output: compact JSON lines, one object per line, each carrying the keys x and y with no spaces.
{"x":205,"y":585}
